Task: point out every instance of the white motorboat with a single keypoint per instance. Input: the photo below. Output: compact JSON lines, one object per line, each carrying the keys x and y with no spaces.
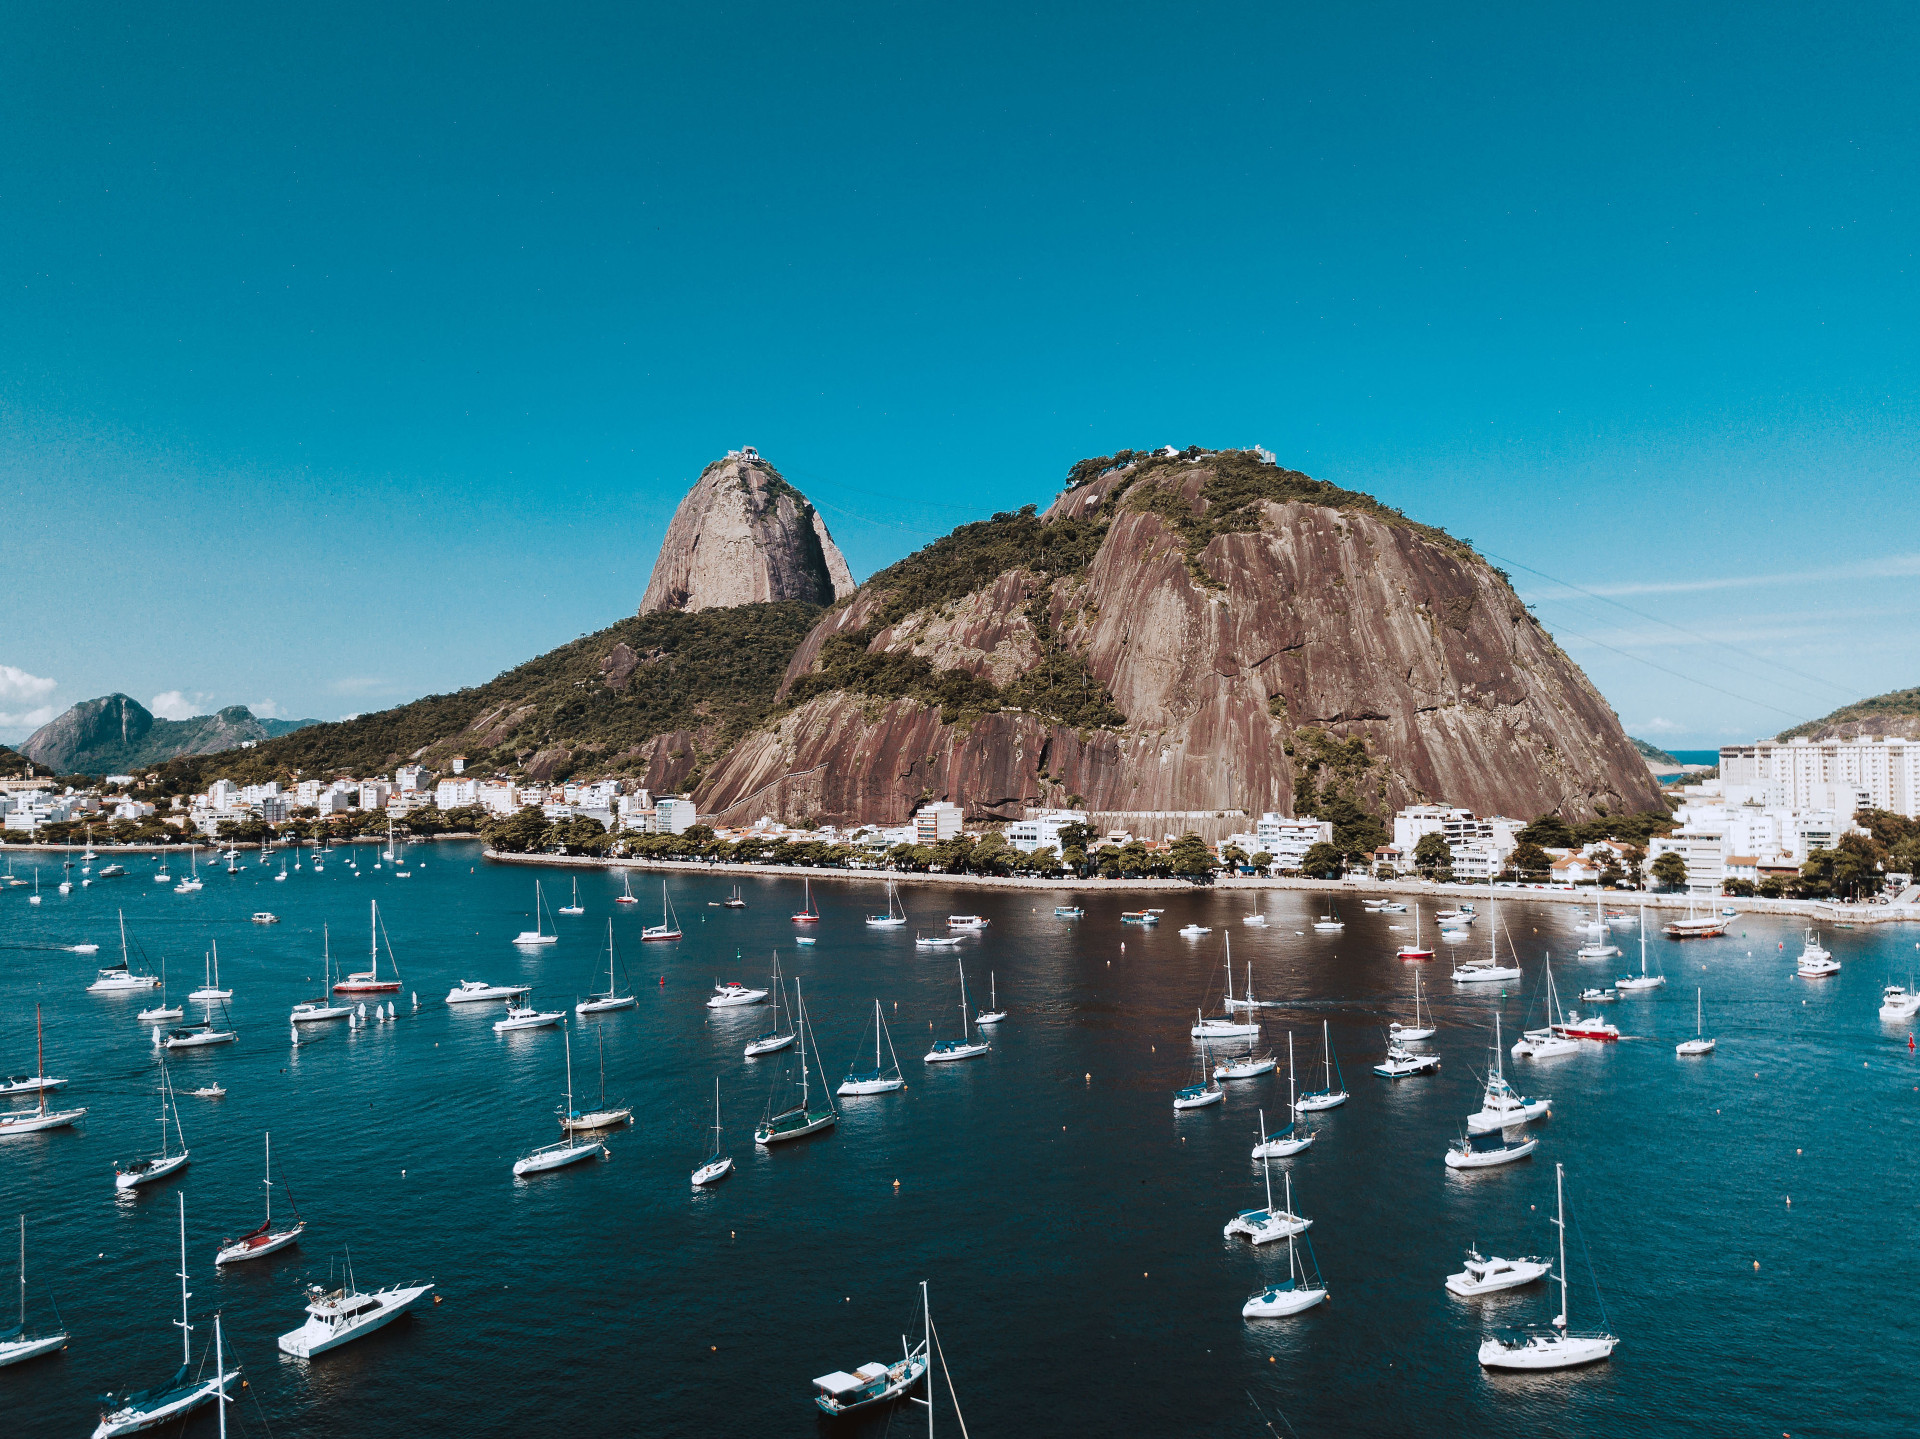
{"x":1207,"y":1091}
{"x":881,"y":1079}
{"x":264,"y":916}
{"x":260,"y":1242}
{"x":32,"y":1121}
{"x":118,"y":978}
{"x":369,"y":980}
{"x":993,"y":1013}
{"x":732,"y":994}
{"x":610,"y":998}
{"x":966,"y":922}
{"x":1250,"y":1065}
{"x":147,"y":1171}
{"x":894,"y":918}
{"x":340,"y":1316}
{"x":1194,"y":931}
{"x":1422,"y":1027}
{"x":480,"y":991}
{"x":538,"y":935}
{"x":718,"y":1165}
{"x":1899,"y":1001}
{"x":1392,"y":906}
{"x":1486,"y":1274}
{"x":561,"y":1152}
{"x":30,"y":1084}
{"x":1226,"y":1027}
{"x":525,"y":1016}
{"x":1550,"y":1346}
{"x":1483,"y":1151}
{"x":1334,"y":1093}
{"x":1289,"y":1295}
{"x":798,"y":1120}
{"x":150,"y":1408}
{"x":1264,"y":1226}
{"x":1599,"y":996}
{"x":210,"y":991}
{"x":841,"y":1393}
{"x":575,"y":908}
{"x":19,"y":1344}
{"x":1068,"y":911}
{"x":1402,"y":1063}
{"x":968,"y":1045}
{"x":669,"y":926}
{"x":936,"y":941}
{"x":1699,"y":1044}
{"x":1816,"y":962}
{"x":1501,"y":1106}
{"x":1458,"y":918}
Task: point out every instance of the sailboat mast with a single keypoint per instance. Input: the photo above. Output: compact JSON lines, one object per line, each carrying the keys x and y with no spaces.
{"x":800,"y":1006}
{"x":186,"y":1329}
{"x":1560,"y":1195}
{"x":1643,"y":940}
{"x":926,"y":1313}
{"x":1290,"y":1093}
{"x":268,"y":1180}
{"x":40,"y":1073}
{"x":373,"y":937}
{"x":1266,"y":1166}
{"x":220,"y":1375}
{"x":1326,"y":1048}
{"x":567,"y":1035}
{"x":23,"y":1273}
{"x":876,"y":1036}
{"x":1289,"y":1180}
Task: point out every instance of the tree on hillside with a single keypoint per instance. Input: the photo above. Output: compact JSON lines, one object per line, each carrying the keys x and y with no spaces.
{"x":1322,"y":862}
{"x":1432,"y":854}
{"x":1670,"y":870}
{"x":1189,"y":856}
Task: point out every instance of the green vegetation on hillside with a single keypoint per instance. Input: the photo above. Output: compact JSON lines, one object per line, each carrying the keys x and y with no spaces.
{"x":1896,"y":704}
{"x":1653,"y":752}
{"x":13,"y":765}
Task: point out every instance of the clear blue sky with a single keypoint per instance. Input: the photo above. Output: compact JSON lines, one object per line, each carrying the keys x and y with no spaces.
{"x":356,"y":352}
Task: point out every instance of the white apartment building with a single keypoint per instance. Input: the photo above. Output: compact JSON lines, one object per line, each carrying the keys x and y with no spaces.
{"x":1043,"y":829}
{"x":223,"y":794}
{"x":307,"y":791}
{"x":374,"y":793}
{"x":495,"y":797}
{"x":935,"y":822}
{"x":1712,"y":833}
{"x":673,"y":816}
{"x":1477,"y":848}
{"x":1837,"y":775}
{"x":408,"y":777}
{"x":456,"y":793}
{"x":1283,"y":837}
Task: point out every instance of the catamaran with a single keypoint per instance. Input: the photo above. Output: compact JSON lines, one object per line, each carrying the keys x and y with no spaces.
{"x":880,"y":1079}
{"x":370,"y":982}
{"x":602,"y":1000}
{"x":626,"y":895}
{"x":29,"y":1121}
{"x":1699,"y":1044}
{"x":1416,"y":950}
{"x":718,"y":1166}
{"x":321,"y":1007}
{"x":16,"y":1344}
{"x":1333,"y":1094}
{"x":1228,"y":1027}
{"x":895,"y":917}
{"x":781,"y":1035}
{"x":669,"y":926}
{"x":210,"y":990}
{"x":1292,"y":1294}
{"x":1627,"y":983}
{"x":1552,"y":1346}
{"x":538,"y":934}
{"x":118,"y":978}
{"x":565,"y":1151}
{"x":1206,"y":1092}
{"x":1501,"y":1106}
{"x":733,"y":901}
{"x":967,"y":1046}
{"x":808,"y":914}
{"x":993,"y":1013}
{"x":150,"y":1408}
{"x":342,"y":1315}
{"x":146,"y":1171}
{"x":576,"y":907}
{"x":257,"y":1243}
{"x":1420,"y":1028}
{"x":841,"y":1393}
{"x":799,"y":1119}
{"x":1263,"y":1226}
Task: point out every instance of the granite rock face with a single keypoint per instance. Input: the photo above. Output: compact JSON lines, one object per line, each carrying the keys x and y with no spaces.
{"x":743,"y":535}
{"x":115,"y":732}
{"x":1245,"y":653}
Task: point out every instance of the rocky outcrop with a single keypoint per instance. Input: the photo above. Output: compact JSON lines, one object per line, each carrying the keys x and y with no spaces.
{"x":1256,"y":632}
{"x":743,"y":535}
{"x":1895,"y":715}
{"x":114,"y":732}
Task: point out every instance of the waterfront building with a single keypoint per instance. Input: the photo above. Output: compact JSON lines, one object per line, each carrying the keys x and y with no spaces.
{"x":1043,"y":829}
{"x":456,"y":793}
{"x":935,"y":822}
{"x":1285,"y":838}
{"x":1872,"y":772}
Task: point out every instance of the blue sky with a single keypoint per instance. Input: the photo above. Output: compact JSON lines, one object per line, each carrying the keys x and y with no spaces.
{"x":355,"y":355}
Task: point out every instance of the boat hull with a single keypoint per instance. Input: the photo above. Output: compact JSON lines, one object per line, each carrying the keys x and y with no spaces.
{"x":1484,"y":974}
{"x":951,"y":1052}
{"x":1485,"y":1121}
{"x":1278,"y":1303}
{"x":32,"y":1122}
{"x":598,"y":1119}
{"x":768,"y":1046}
{"x":780,"y":1131}
{"x":870,"y":1086}
{"x":1694,"y":1046}
{"x":124,"y":1179}
{"x":1226,"y":1030}
{"x":1308,"y":1103}
{"x":129,"y":1421}
{"x":314,"y":1337}
{"x":369,"y":986}
{"x":1490,"y":1158}
{"x":16,"y":1351}
{"x":736,"y":999}
{"x":712,"y":1173}
{"x":558,"y":1158}
{"x":1557,"y":1351}
{"x":1198,"y":1100}
{"x":531,"y":1021}
{"x":1515,"y":1274}
{"x":1420,"y":1064}
{"x":1245,"y":1071}
{"x":1282,"y":1148}
{"x":269,"y":1244}
{"x":603,"y":1006}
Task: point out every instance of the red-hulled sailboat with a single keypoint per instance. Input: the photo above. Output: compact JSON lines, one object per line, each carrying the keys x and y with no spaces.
{"x":369,"y":981}
{"x":264,"y":1240}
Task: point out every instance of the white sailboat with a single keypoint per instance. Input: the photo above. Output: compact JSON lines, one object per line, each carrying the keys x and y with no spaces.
{"x":626,"y":889}
{"x":1330,"y":923}
{"x":150,"y":1408}
{"x":669,"y":926}
{"x":802,"y":1118}
{"x":1501,"y":1106}
{"x":321,"y":1007}
{"x":198,"y":1034}
{"x":17,"y":1344}
{"x":1489,"y":970}
{"x":146,"y":1171}
{"x":210,"y":989}
{"x":733,"y":901}
{"x":993,"y":1013}
{"x":781,"y":1034}
{"x":1292,"y":1139}
{"x":164,"y":1010}
{"x":1699,"y":1044}
{"x":605,"y":1115}
{"x":1561,"y":1033}
{"x":1249,"y":1065}
{"x":602,"y":1000}
{"x":1206,"y":1092}
{"x":1416,"y":950}
{"x":561,"y":1152}
{"x":718,"y":1165}
{"x":967,"y":1046}
{"x":257,"y":1243}
{"x":1333,"y":1095}
{"x":1292,"y":1294}
{"x":538,"y":934}
{"x":1420,"y":1028}
{"x":369,"y":981}
{"x":576,"y":907}
{"x":1264,"y":1226}
{"x":1628,"y":983}
{"x":894,"y":918}
{"x":1227,"y":1027}
{"x":1553,"y":1346}
{"x":31,"y":1121}
{"x":1603,"y":947}
{"x":881,"y":1079}
{"x":119,"y":978}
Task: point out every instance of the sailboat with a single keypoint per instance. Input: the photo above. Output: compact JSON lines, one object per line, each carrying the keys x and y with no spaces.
{"x":1416,"y":950}
{"x":1228,"y":1027}
{"x":802,"y":1118}
{"x":160,"y":875}
{"x":993,"y":1013}
{"x":1247,"y":1001}
{"x":1292,"y":1139}
{"x":626,"y":889}
{"x":1699,"y":1044}
{"x":733,"y":901}
{"x":1560,"y":1032}
{"x":150,"y":1408}
{"x":198,"y":1034}
{"x":1627,"y":983}
{"x":256,"y":1243}
{"x":606,"y":1115}
{"x":193,"y":881}
{"x":1602,"y":947}
{"x":1333,"y":1095}
{"x":1250,"y":1065}
{"x":162,"y":1010}
{"x":1489,"y":970}
{"x":561,"y":1152}
{"x":1502,"y":1106}
{"x":370,"y":982}
{"x":1420,"y":1028}
{"x":880,"y":1079}
{"x":1553,"y":1346}
{"x":781,"y":1035}
{"x":895,"y":917}
{"x":610,"y":997}
{"x":1292,"y":1294}
{"x":389,"y":854}
{"x":210,"y":990}
{"x":16,"y":1343}
{"x":808,"y":914}
{"x":1695,"y":926}
{"x":718,"y":1165}
{"x":669,"y":926}
{"x":576,"y":907}
{"x":118,"y":978}
{"x":146,"y":1171}
{"x":1206,"y":1092}
{"x":1263,"y":1226}
{"x":1330,"y":923}
{"x":538,"y":934}
{"x":967,"y":1046}
{"x":28,"y":1121}
{"x":841,"y":1393}
{"x":321,"y":1007}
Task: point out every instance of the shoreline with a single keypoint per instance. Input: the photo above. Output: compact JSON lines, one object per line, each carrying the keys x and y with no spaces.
{"x":1820,"y":909}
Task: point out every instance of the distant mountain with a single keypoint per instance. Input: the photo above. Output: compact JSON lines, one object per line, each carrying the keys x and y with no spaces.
{"x":1896,"y":713}
{"x":12,"y":764}
{"x":114,"y":732}
{"x":1653,"y":754}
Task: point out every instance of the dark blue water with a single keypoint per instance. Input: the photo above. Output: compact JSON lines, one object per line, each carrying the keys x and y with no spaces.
{"x":1069,"y":1223}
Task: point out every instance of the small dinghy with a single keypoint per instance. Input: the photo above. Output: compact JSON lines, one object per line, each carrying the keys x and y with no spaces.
{"x":1483,"y":1151}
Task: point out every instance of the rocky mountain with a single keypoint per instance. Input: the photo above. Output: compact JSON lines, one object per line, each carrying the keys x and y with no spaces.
{"x":1896,"y":713}
{"x":1179,"y":637}
{"x":113,"y":733}
{"x":1653,"y":754}
{"x":743,"y":535}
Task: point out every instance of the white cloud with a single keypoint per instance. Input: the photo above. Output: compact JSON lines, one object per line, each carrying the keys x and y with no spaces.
{"x":17,"y":684}
{"x":345,"y":718}
{"x":1890,"y":567}
{"x":30,"y":720}
{"x":174,"y":705}
{"x":358,"y":685}
{"x":1656,"y":725}
{"x":265,"y":709}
